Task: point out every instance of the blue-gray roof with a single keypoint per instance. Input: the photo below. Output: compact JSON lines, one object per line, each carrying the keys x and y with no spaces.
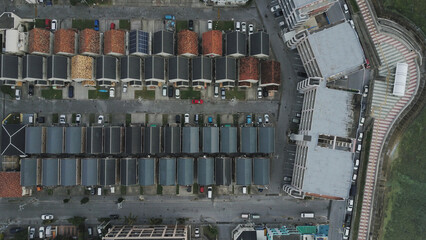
{"x":191,"y":140}
{"x":94,"y":140}
{"x":205,"y":171}
{"x":112,"y":142}
{"x":171,"y":139}
{"x":133,"y":140}
{"x":259,"y":44}
{"x":89,"y":171}
{"x":50,"y":172}
{"x":9,"y":67}
{"x":107,"y":171}
{"x":266,"y":140}
{"x":54,"y":140}
{"x":223,"y":168}
{"x":185,"y":171}
{"x":73,"y":140}
{"x":243,"y":171}
{"x":146,"y":168}
{"x":130,"y":68}
{"x":210,"y":139}
{"x":167,"y":171}
{"x":68,"y":172}
{"x":248,"y":140}
{"x":128,"y":171}
{"x":33,"y":140}
{"x":152,"y":144}
{"x":261,"y":171}
{"x":228,"y":139}
{"x":28,"y":172}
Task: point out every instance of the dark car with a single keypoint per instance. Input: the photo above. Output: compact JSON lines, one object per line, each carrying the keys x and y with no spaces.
{"x":191,"y":25}
{"x":96,"y":25}
{"x":40,"y":119}
{"x":15,"y":230}
{"x":177,"y":118}
{"x":302,"y":74}
{"x":265,"y":92}
{"x":171,"y":91}
{"x":31,"y":90}
{"x":113,"y":216}
{"x":70,"y":91}
{"x":278,"y":14}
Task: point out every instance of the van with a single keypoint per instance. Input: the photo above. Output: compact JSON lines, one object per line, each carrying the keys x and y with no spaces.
{"x":99,"y":191}
{"x":255,"y":216}
{"x":358,"y":148}
{"x":244,"y":190}
{"x":245,"y":215}
{"x":216,"y":91}
{"x":307,"y":215}
{"x":31,"y":119}
{"x":346,"y":8}
{"x":209,"y":192}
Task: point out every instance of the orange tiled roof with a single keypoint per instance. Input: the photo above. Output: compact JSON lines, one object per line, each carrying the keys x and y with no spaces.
{"x":10,"y":184}
{"x":89,"y":41}
{"x":114,"y":41}
{"x":212,"y":42}
{"x":64,"y":41}
{"x":187,"y":42}
{"x":39,"y":41}
{"x":249,"y":68}
{"x":271,"y":72}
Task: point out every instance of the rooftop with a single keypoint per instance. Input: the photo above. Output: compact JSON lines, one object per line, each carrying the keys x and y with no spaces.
{"x":163,"y":43}
{"x":39,"y":41}
{"x":259,"y":44}
{"x":13,"y":139}
{"x":57,"y":67}
{"x":10,"y":186}
{"x":9,"y":67}
{"x":146,"y":171}
{"x":64,"y":41}
{"x":82,"y":67}
{"x":270,"y":73}
{"x":167,"y":171}
{"x":89,"y":42}
{"x":249,"y":69}
{"x":187,"y":42}
{"x":114,"y":42}
{"x":212,"y":43}
{"x":236,"y":44}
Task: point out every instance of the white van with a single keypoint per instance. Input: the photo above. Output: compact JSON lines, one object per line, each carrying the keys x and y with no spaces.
{"x":244,"y":190}
{"x":307,"y":215}
{"x":245,"y":215}
{"x":209,"y":192}
{"x":99,"y":191}
{"x":209,"y":25}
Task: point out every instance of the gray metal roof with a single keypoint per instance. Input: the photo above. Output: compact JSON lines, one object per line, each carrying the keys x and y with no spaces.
{"x":210,"y":139}
{"x":163,"y":42}
{"x":33,"y":140}
{"x":146,"y":167}
{"x":228,"y":139}
{"x":32,"y":67}
{"x":152,"y":144}
{"x":259,"y":43}
{"x":167,"y":171}
{"x":57,"y":67}
{"x":128,"y":171}
{"x":266,"y":140}
{"x":248,"y":140}
{"x":205,"y":171}
{"x":171,"y":139}
{"x":50,"y":172}
{"x":236,"y":43}
{"x":73,"y":140}
{"x":89,"y":171}
{"x":107,"y":171}
{"x":223,"y":170}
{"x":68,"y":172}
{"x":106,"y":67}
{"x":94,"y":140}
{"x":28,"y":172}
{"x":130,"y":68}
{"x":178,"y":68}
{"x":191,"y":140}
{"x":261,"y":171}
{"x":9,"y":66}
{"x":226,"y":68}
{"x":202,"y":68}
{"x":54,"y":140}
{"x":243,"y":171}
{"x":154,"y":67}
{"x":13,"y":139}
{"x":185,"y":172}
{"x":112,"y":139}
{"x":133,"y":140}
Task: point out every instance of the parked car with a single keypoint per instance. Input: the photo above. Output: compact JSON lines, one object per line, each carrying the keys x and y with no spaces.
{"x":124,"y":88}
{"x":191,"y":25}
{"x":360,"y":136}
{"x":48,"y":231}
{"x":275,"y":8}
{"x":41,"y":232}
{"x":265,"y":92}
{"x":32,"y":233}
{"x":186,"y":117}
{"x":31,"y":90}
{"x":201,"y":189}
{"x":209,"y":192}
{"x":54,"y":25}
{"x":237,"y":26}
{"x":196,"y":117}
{"x":216,"y":91}
{"x":46,"y":217}
{"x":114,"y":216}
{"x":222,"y":93}
{"x":70,"y":92}
{"x":367,"y":63}
{"x":350,"y":205}
{"x":356,"y":164}
{"x":78,"y":118}
{"x":177,"y":93}
{"x":112,"y":92}
{"x":40,"y":119}
{"x":177,"y":118}
{"x":112,"y":26}
{"x":346,"y":232}
{"x":259,"y":120}
{"x":62,"y":119}
{"x":100,"y":119}
{"x":248,"y":119}
{"x":171,"y":91}
{"x":361,"y":122}
{"x":365,"y":94}
{"x":164,"y":91}
{"x":197,"y":232}
{"x":266,"y":116}
{"x":278,"y":13}
{"x":47,"y":23}
{"x":259,"y":92}
{"x":18,"y":94}
{"x":244,"y":189}
{"x":197,"y":101}
{"x":243,"y":27}
{"x":251,"y":29}
{"x":15,"y":230}
{"x":90,"y":231}
{"x":210,"y":120}
{"x":96,"y":25}
{"x":345,"y":7}
{"x":209,"y":25}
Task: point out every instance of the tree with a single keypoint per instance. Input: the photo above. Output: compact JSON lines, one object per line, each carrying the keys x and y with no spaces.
{"x":76,"y":220}
{"x":130,"y":220}
{"x":84,"y":200}
{"x":155,"y":221}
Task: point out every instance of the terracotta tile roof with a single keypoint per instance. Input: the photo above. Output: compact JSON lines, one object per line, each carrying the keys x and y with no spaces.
{"x":249,"y":68}
{"x":10,"y":184}
{"x":39,"y":41}
{"x":212,"y":42}
{"x":244,"y":84}
{"x":64,"y":41}
{"x":271,"y":72}
{"x":114,"y":42}
{"x":89,"y":41}
{"x":81,"y":67}
{"x":187,"y":42}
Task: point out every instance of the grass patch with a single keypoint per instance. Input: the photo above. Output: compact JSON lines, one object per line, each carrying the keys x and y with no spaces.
{"x":141,"y":190}
{"x":40,"y":23}
{"x":55,"y":118}
{"x":210,"y":232}
{"x":124,"y":24}
{"x":235,"y":119}
{"x":84,"y":200}
{"x":181,"y":25}
{"x":165,"y":119}
{"x":234,"y":93}
{"x":190,"y":94}
{"x":81,"y":24}
{"x":92,"y":118}
{"x":354,"y":5}
{"x":412,"y":9}
{"x":123,"y":190}
{"x":7,"y":90}
{"x":145,"y":94}
{"x":177,"y":189}
{"x":95,"y":94}
{"x":51,"y":93}
{"x":73,"y":120}
{"x":128,"y":119}
{"x":195,"y":188}
{"x":218,"y":119}
{"x":50,"y":192}
{"x":223,"y":25}
{"x":405,"y":198}
{"x":159,"y":189}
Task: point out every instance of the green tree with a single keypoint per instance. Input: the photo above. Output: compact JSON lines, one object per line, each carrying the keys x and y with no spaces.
{"x":84,"y":200}
{"x":76,"y":220}
{"x":130,"y":220}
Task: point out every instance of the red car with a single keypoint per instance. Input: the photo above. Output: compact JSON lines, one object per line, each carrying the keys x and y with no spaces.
{"x":47,"y":23}
{"x":112,"y":26}
{"x":197,"y":101}
{"x":367,"y":63}
{"x":201,"y":189}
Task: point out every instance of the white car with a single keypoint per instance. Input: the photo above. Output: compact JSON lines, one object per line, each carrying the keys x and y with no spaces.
{"x":346,"y":233}
{"x":62,"y":119}
{"x":209,"y":25}
{"x":41,"y":232}
{"x":100,"y":119}
{"x":197,"y":232}
{"x":237,"y":26}
{"x":186,"y":118}
{"x":365,"y":91}
{"x":32,"y":233}
{"x":361,"y":122}
{"x":18,"y":94}
{"x":251,"y":29}
{"x":177,"y":93}
{"x":112,"y":92}
{"x":46,"y":217}
{"x":54,"y":25}
{"x":77,"y":118}
{"x":356,"y":164}
{"x":259,"y":92}
{"x":360,"y":136}
{"x":350,"y":205}
{"x":275,"y":8}
{"x":125,"y":88}
{"x":266,"y":118}
{"x":243,"y":27}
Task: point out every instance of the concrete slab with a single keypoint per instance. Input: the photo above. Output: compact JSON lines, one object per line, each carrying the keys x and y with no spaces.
{"x":138,"y":118}
{"x":169,"y":190}
{"x":150,"y":190}
{"x":135,"y":24}
{"x":80,"y":92}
